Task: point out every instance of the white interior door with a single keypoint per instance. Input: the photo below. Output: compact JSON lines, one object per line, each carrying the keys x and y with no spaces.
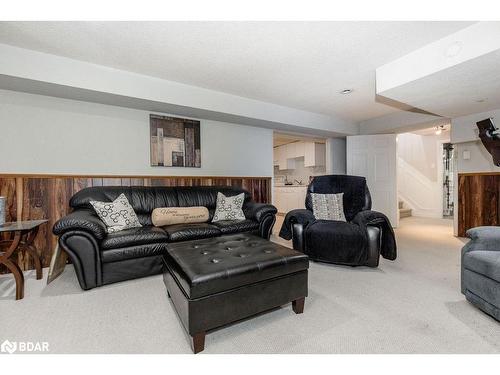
{"x":374,"y":157}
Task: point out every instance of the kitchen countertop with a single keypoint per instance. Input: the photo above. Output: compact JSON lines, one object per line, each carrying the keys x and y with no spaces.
{"x":277,"y":185}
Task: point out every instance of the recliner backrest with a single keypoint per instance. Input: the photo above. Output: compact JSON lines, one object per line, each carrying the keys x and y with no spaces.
{"x":356,"y":194}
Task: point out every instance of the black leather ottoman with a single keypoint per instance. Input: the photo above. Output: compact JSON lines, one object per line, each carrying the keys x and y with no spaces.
{"x":216,"y":281}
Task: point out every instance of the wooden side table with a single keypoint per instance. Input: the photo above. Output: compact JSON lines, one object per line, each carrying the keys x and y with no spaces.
{"x":24,"y":234}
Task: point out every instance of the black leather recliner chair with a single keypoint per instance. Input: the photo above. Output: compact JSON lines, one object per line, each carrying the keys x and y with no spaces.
{"x":356,"y":242}
{"x":101,"y":258}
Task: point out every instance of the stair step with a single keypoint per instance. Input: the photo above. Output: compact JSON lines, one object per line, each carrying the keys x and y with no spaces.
{"x":404,"y":212}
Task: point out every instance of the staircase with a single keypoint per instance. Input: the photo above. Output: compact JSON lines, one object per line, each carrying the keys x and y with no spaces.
{"x":403,"y":212}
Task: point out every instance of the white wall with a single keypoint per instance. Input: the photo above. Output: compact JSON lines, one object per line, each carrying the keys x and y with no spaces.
{"x":336,"y":156}
{"x":46,"y":135}
{"x":422,"y":152}
{"x":420,"y":172}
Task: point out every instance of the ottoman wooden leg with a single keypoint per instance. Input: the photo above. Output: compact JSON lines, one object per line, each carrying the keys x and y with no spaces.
{"x":298,"y":305}
{"x":198,"y":342}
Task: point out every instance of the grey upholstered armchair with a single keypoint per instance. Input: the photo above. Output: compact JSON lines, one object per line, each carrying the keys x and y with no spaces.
{"x":481,"y":269}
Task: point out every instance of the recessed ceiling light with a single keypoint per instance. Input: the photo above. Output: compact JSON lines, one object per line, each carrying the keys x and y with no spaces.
{"x":346,"y":91}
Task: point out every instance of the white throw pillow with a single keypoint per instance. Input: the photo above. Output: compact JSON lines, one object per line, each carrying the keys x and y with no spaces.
{"x":117,"y":215}
{"x":328,"y":206}
{"x":229,"y":208}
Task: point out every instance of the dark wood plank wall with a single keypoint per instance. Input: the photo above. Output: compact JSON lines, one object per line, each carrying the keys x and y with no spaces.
{"x":478,"y":200}
{"x":47,"y":197}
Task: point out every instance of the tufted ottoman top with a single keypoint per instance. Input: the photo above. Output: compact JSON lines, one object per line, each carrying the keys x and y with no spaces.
{"x":208,"y":266}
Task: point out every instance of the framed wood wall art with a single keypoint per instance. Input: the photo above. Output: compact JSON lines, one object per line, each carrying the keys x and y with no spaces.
{"x":175,"y":142}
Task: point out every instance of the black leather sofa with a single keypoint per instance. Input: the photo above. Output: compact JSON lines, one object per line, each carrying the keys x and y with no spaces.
{"x":359,"y":241}
{"x":100,"y":258}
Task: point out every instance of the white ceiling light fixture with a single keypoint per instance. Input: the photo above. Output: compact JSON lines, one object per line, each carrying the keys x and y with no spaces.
{"x":346,"y":91}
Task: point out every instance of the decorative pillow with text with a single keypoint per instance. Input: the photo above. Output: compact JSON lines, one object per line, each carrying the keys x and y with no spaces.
{"x":179,"y":215}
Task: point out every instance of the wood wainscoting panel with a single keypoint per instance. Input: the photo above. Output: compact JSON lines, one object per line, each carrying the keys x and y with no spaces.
{"x":31,"y":197}
{"x":478,"y":200}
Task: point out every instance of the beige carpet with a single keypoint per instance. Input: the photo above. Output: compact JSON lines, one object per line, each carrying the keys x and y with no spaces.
{"x":412,"y":305}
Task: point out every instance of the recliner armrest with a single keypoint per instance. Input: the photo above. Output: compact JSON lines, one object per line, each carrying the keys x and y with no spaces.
{"x":486,"y":238}
{"x":368,"y":217}
{"x":301,"y":216}
{"x":257,"y":211}
{"x":81,"y":220}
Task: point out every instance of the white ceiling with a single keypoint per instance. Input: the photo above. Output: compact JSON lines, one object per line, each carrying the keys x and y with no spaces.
{"x":297,"y":64}
{"x":470,"y":87}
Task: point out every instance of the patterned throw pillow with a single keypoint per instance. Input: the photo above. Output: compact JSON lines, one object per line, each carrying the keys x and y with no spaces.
{"x":328,"y":206}
{"x":229,"y":208}
{"x":117,"y":215}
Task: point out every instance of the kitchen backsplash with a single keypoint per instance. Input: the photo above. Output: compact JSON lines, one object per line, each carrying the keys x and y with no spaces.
{"x":300,"y":172}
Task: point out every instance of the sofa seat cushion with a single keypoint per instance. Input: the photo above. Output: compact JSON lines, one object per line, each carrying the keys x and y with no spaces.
{"x":134,"y":237}
{"x":486,"y":263}
{"x":131,"y":252}
{"x":186,"y":232}
{"x":236,"y":226}
{"x":215,"y":265}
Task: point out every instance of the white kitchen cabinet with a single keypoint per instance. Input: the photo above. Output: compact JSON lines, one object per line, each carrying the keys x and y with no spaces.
{"x":300,"y":149}
{"x":279,"y":200}
{"x":285,"y":158}
{"x":287,"y":198}
{"x":278,"y":153}
{"x":314,"y":154}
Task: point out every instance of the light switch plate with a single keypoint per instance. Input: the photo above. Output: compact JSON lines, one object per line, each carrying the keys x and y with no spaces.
{"x":466,"y":155}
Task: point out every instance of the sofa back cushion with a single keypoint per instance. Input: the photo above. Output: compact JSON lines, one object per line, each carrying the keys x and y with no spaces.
{"x":144,"y":199}
{"x":206,"y":196}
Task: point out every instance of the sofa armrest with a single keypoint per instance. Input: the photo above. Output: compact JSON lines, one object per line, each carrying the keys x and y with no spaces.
{"x":83,"y":250}
{"x":257,"y":211}
{"x":483,"y":238}
{"x":81,"y":220}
